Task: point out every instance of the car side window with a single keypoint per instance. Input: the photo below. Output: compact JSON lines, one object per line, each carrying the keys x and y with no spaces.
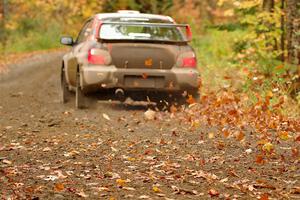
{"x":85,"y":32}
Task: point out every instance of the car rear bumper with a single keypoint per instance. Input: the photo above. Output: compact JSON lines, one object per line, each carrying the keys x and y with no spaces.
{"x":175,"y":79}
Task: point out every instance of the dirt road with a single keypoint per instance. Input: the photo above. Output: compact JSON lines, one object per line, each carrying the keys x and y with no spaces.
{"x":110,"y":151}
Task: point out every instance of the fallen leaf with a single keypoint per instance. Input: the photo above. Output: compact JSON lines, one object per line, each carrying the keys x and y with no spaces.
{"x":295,"y":190}
{"x":144,"y":197}
{"x":173,"y":109}
{"x":268,"y":147}
{"x":226,"y":133}
{"x":183,"y":191}
{"x":295,"y":152}
{"x":101,"y":189}
{"x":59,"y":187}
{"x":111,"y":175}
{"x":211,"y":135}
{"x":8,"y":162}
{"x":120,"y":182}
{"x":150,"y":114}
{"x":46,"y":149}
{"x":284,"y":135}
{"x":128,"y":188}
{"x":264,"y":196}
{"x":105,"y":116}
{"x":248,"y":151}
{"x":156,"y":189}
{"x":224,"y":180}
{"x":213,"y":193}
{"x":82,"y":194}
{"x":259,"y":159}
{"x":51,"y":178}
{"x":60,"y":174}
{"x":144,"y":75}
{"x":114,"y":149}
{"x":190,"y":99}
{"x":240,"y":136}
{"x":269,"y":94}
{"x":195,"y":124}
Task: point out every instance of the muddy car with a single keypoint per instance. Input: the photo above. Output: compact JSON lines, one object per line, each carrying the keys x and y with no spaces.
{"x":141,"y":56}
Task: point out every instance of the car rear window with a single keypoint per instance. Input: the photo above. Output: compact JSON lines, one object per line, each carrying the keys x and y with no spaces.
{"x":140,"y":32}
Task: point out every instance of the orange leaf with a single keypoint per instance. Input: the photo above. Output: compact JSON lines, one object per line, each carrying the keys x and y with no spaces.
{"x":240,"y":136}
{"x":279,"y":67}
{"x":227,"y":77}
{"x":190,"y":99}
{"x":295,"y":153}
{"x":120,"y":182}
{"x":226,"y":133}
{"x":173,"y":109}
{"x":213,"y":192}
{"x":144,"y":75}
{"x":297,"y":138}
{"x":284,"y":135}
{"x":259,"y":159}
{"x":269,"y":94}
{"x":59,"y":187}
{"x":264,"y":196}
{"x":162,"y":141}
{"x":233,"y":112}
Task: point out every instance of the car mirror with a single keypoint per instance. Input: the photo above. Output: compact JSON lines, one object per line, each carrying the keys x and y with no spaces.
{"x":67,"y":40}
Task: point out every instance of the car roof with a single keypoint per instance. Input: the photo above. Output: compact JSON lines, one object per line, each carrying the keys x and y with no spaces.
{"x":103,"y":16}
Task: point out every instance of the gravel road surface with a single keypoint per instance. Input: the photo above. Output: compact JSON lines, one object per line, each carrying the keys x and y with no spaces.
{"x":49,"y":150}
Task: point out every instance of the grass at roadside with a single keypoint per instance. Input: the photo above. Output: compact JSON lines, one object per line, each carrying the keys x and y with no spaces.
{"x":214,"y":50}
{"x":23,"y":43}
{"x":20,"y":41}
{"x":220,"y":71}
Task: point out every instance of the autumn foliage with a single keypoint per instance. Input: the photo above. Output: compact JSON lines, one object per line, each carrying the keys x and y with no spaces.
{"x":240,"y":140}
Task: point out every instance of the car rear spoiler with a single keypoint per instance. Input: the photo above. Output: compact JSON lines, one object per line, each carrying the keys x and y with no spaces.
{"x":186,"y":26}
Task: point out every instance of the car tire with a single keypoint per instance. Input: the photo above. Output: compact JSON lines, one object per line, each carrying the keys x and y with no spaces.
{"x":66,"y":93}
{"x":79,"y":95}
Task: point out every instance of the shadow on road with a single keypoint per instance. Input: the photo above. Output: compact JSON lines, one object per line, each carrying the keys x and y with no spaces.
{"x":108,"y":99}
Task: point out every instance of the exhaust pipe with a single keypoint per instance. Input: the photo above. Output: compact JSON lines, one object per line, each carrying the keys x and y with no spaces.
{"x":120,"y":94}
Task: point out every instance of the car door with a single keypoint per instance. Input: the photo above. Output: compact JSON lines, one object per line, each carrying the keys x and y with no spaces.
{"x":72,"y":62}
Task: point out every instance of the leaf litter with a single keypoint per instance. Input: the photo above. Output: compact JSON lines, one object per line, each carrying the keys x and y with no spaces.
{"x":214,"y":148}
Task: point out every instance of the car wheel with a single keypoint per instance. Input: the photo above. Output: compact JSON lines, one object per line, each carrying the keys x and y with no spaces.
{"x":64,"y":87}
{"x":79,"y":95}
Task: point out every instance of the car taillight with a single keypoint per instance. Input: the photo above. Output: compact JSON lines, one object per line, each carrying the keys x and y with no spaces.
{"x":95,"y":58}
{"x":189,"y":62}
{"x":187,"y":59}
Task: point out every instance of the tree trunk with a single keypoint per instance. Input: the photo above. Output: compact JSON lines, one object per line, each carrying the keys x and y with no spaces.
{"x":268,"y":6}
{"x":282,"y":27}
{"x":2,"y":25}
{"x":3,"y":18}
{"x":293,"y":31}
